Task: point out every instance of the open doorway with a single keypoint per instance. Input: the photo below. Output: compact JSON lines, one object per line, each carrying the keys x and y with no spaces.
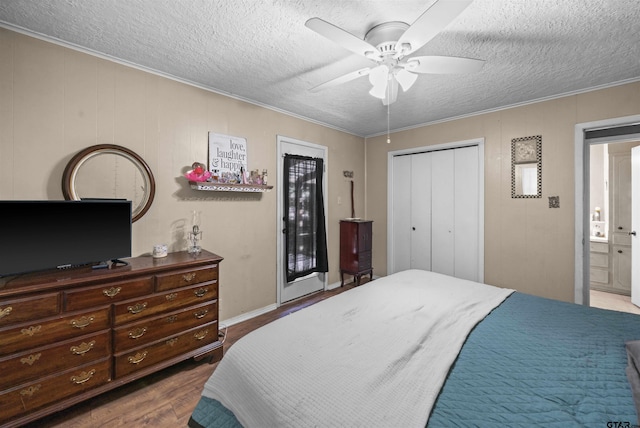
{"x":607,"y":234}
{"x":610,"y":227}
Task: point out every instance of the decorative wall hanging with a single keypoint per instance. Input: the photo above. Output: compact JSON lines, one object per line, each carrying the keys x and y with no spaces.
{"x":526,"y":167}
{"x":227,"y":154}
{"x":227,"y":170}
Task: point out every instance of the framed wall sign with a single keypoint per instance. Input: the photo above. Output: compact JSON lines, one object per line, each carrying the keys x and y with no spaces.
{"x":227,"y":154}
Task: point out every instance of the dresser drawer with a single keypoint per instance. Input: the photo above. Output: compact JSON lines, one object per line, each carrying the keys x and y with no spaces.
{"x":145,"y":356}
{"x":29,"y":397}
{"x":21,"y":310}
{"x":364,"y":260}
{"x":20,"y":368}
{"x":105,"y":294}
{"x":52,"y":330}
{"x":133,"y":310}
{"x":152,"y":329}
{"x":186,"y":277}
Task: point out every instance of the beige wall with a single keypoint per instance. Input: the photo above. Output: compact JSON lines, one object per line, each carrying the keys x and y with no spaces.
{"x":528,"y":246}
{"x":55,"y":101}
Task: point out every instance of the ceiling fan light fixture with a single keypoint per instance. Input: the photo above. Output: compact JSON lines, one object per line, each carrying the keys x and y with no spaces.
{"x":391,"y":94}
{"x":379,"y":75}
{"x":405,"y":78}
{"x":379,"y":91}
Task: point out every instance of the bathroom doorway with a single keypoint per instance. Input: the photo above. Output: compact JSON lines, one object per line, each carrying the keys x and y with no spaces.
{"x":608,"y":217}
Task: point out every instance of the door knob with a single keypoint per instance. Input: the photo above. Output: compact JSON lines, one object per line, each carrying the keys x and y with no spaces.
{"x":632,"y":233}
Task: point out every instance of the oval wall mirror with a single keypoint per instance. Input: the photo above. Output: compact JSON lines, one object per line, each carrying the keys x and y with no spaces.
{"x":108,"y":171}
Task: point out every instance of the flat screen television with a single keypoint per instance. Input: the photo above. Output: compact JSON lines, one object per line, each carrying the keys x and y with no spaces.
{"x":42,"y":235}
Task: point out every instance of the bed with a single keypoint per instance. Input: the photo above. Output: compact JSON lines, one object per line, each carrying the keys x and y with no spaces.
{"x":418,"y":348}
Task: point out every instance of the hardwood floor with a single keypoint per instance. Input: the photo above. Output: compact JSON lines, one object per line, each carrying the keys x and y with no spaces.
{"x":166,"y":398}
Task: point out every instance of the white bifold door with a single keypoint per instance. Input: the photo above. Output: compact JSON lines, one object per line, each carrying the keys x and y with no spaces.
{"x":435,"y":212}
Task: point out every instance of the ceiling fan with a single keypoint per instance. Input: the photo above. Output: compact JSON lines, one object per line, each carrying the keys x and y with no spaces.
{"x":389,"y":46}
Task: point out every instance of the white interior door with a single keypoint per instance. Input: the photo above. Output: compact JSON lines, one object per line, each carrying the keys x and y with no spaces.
{"x":420,"y":221}
{"x":635,"y":225}
{"x":316,"y":281}
{"x":442,"y":212}
{"x":400,"y":203}
{"x":436,"y":212}
{"x":467,"y":214}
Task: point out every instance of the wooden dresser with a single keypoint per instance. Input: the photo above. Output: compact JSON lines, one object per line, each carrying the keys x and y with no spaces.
{"x":355,"y":249}
{"x":69,"y":335}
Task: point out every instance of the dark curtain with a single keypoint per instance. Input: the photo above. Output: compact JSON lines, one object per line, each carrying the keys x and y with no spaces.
{"x":306,"y":238}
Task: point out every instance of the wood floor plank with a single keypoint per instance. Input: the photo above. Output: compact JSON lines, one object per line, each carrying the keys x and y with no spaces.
{"x":165,"y":398}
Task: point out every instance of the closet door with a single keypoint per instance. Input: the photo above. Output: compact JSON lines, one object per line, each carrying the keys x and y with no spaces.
{"x":421,"y":193}
{"x":467,"y":214}
{"x":442,"y":212}
{"x":435,"y":212}
{"x":400,"y":211}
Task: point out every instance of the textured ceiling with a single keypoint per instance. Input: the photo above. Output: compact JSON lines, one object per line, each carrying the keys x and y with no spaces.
{"x":261,"y":51}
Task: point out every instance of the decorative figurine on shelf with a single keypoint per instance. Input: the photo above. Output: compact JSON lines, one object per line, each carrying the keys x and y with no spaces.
{"x":255,"y":178}
{"x":244,"y":179}
{"x":195,"y":235}
{"x":198,"y":173}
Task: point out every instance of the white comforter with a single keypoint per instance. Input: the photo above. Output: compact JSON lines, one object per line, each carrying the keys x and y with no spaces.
{"x":376,"y":355}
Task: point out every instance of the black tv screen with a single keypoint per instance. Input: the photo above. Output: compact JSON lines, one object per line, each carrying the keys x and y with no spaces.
{"x":41,"y":235}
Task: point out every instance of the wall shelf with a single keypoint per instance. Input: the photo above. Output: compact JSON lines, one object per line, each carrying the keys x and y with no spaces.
{"x":227,"y":187}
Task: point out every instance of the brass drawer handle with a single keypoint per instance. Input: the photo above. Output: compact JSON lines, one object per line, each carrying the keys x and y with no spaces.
{"x":201,"y":334}
{"x":31,"y":359}
{"x":171,"y":297}
{"x":31,"y":390}
{"x":82,"y":322}
{"x":111,"y":292}
{"x":83,"y":377}
{"x":5,"y":311}
{"x":172,"y":319}
{"x":203,"y":313}
{"x":137,"y":359}
{"x":188,"y":277}
{"x":31,"y":330}
{"x":172,"y":342}
{"x":83,"y":348}
{"x":138,"y":332}
{"x":137,"y":308}
{"x":201,"y":292}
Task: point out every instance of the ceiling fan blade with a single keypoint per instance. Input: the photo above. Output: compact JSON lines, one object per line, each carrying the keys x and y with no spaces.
{"x":343,"y":38}
{"x":429,"y":24}
{"x":342,"y":79}
{"x":443,"y":65}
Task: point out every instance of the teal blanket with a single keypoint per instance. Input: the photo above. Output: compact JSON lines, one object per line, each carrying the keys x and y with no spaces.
{"x":532,"y":361}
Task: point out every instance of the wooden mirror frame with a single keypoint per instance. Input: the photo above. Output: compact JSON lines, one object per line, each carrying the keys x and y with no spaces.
{"x":71,"y":172}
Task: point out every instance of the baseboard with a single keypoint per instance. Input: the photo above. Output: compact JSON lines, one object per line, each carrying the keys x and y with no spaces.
{"x":337,"y":284}
{"x":247,"y":316}
{"x":333,"y":286}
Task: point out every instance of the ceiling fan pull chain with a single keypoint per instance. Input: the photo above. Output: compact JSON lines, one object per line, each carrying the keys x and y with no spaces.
{"x":388,"y":119}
